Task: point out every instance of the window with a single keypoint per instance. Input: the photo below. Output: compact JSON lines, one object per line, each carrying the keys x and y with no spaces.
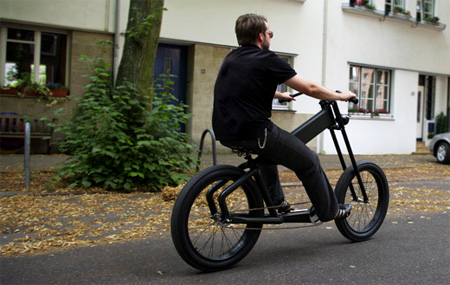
{"x":430,"y":88}
{"x":394,"y":5}
{"x":428,"y":9}
{"x":276,"y":105}
{"x":372,"y":85}
{"x":39,"y":54}
{"x":360,"y":2}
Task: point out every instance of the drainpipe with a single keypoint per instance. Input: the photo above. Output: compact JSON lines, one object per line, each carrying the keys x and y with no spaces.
{"x":3,"y":37}
{"x":324,"y":64}
{"x":448,"y":103}
{"x":116,"y":42}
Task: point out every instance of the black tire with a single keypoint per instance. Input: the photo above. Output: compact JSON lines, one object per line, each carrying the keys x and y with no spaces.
{"x":365,"y":218}
{"x":203,"y":241}
{"x":443,"y":153}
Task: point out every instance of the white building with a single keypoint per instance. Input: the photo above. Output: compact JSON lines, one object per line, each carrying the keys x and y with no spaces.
{"x":398,"y":65}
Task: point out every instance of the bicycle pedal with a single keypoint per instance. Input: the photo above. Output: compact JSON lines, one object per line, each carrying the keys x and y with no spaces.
{"x":313,"y":217}
{"x":315,"y":220}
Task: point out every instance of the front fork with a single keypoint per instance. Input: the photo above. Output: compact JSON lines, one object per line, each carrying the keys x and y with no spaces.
{"x":341,"y":126}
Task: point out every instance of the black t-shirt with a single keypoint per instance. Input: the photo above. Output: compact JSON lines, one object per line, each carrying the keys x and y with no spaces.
{"x":244,"y":90}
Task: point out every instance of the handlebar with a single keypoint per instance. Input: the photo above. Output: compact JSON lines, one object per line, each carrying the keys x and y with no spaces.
{"x":292,"y":95}
{"x":354,"y":100}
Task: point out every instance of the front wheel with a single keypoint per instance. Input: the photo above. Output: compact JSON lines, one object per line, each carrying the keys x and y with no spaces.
{"x":443,"y":153}
{"x":366,"y":216}
{"x":201,"y":236}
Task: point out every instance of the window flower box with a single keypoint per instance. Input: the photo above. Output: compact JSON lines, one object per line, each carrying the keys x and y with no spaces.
{"x":56,"y":90}
{"x":434,"y":20}
{"x":363,"y":3}
{"x":8,"y":90}
{"x":58,"y":93}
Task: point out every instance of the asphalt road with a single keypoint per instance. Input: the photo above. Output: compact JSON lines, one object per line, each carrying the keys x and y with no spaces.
{"x":406,"y":250}
{"x":410,"y":248}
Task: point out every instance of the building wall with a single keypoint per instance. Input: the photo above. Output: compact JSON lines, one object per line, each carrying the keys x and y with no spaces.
{"x":98,"y":15}
{"x":81,"y":43}
{"x":396,"y":45}
{"x":385,"y":135}
{"x":85,"y":44}
{"x":323,"y":37}
{"x":204,"y":65}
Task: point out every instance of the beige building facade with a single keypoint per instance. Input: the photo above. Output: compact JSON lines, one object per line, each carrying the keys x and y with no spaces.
{"x":397,"y":64}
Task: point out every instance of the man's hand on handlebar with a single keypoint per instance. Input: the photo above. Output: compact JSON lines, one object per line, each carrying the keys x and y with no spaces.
{"x":348,"y":96}
{"x":290,"y":97}
{"x":284,"y":97}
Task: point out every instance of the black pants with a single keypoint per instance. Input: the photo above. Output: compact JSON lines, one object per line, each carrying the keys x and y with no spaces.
{"x":281,"y":147}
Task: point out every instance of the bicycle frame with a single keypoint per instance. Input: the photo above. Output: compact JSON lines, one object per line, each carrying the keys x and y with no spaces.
{"x":328,"y":118}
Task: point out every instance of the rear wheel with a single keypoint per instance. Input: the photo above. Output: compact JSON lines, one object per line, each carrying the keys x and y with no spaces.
{"x":203,"y":238}
{"x":366,"y":216}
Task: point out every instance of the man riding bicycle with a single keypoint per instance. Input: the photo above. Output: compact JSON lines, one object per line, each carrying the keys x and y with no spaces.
{"x":243,"y":94}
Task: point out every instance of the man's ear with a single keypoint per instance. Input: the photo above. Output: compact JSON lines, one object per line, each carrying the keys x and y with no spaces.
{"x":260,"y":37}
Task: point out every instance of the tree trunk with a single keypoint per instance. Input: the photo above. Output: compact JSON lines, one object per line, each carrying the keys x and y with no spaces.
{"x":141,"y":43}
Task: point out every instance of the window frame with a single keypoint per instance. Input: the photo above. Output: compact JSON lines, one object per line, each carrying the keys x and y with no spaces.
{"x":286,"y":106}
{"x":374,"y":85}
{"x":38,"y":31}
{"x":428,"y":15}
{"x":390,"y":7}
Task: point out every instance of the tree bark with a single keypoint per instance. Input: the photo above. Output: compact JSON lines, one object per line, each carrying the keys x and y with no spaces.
{"x":141,"y":43}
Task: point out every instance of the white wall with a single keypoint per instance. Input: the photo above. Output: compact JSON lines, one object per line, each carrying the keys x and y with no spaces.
{"x":212,"y":21}
{"x":385,"y":135}
{"x":398,"y":46}
{"x":299,"y":29}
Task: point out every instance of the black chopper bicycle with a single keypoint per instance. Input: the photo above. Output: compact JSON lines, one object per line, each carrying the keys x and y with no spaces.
{"x":219,"y":214}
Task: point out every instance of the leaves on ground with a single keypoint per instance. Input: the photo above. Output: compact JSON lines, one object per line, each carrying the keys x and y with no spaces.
{"x":46,"y":216}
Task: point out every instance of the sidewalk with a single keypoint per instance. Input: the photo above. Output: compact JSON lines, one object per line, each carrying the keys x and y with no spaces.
{"x":50,"y":162}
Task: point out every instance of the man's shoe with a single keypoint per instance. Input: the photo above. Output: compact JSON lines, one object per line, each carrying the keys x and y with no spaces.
{"x":343,"y":211}
{"x":284,"y":207}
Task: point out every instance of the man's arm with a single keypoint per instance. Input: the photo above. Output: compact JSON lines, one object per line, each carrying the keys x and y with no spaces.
{"x":315,"y":90}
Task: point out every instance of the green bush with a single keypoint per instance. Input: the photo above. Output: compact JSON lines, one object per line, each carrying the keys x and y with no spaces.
{"x":118,"y":142}
{"x":441,"y":123}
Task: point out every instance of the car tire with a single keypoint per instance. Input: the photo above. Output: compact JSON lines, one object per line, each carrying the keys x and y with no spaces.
{"x":443,"y":153}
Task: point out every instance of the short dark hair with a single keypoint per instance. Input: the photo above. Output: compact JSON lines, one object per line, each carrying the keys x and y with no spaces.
{"x":248,"y":27}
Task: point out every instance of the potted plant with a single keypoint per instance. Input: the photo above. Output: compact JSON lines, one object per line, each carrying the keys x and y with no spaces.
{"x":357,"y":110}
{"x":18,"y":86}
{"x":36,"y":89}
{"x":362,"y":3}
{"x":8,"y":89}
{"x":370,"y":6}
{"x":433,"y":20}
{"x":57,"y":90}
{"x":398,"y":10}
{"x":377,"y":112}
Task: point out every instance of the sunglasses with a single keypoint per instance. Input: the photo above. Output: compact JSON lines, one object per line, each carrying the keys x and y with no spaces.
{"x":270,"y":34}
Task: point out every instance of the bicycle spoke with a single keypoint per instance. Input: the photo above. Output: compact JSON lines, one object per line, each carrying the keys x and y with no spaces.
{"x":366,"y":216}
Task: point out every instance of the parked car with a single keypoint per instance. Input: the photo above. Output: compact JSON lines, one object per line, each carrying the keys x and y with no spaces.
{"x":440,"y":147}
